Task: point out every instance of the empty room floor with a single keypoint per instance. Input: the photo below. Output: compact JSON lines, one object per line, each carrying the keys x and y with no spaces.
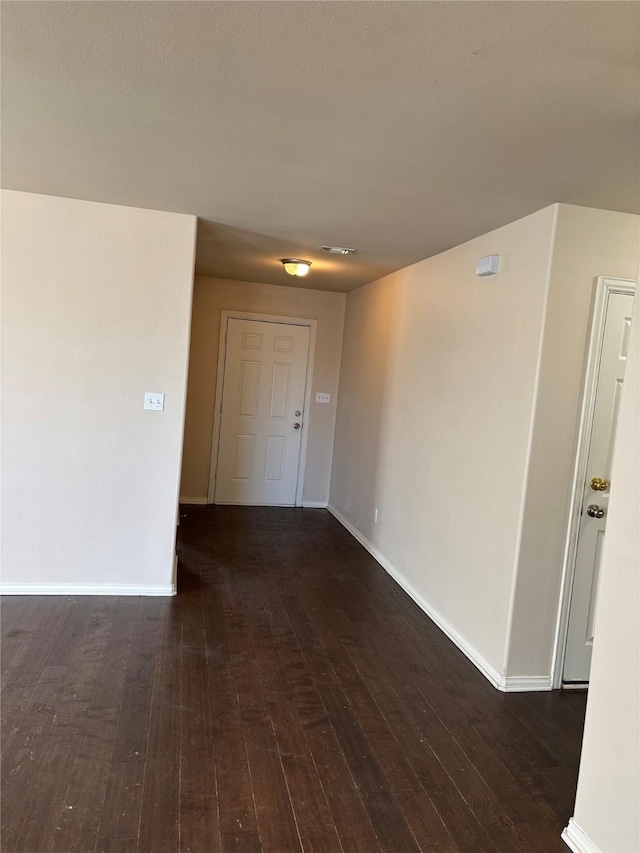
{"x":290,"y":697}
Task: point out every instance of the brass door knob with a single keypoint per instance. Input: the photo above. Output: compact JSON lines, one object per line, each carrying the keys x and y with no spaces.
{"x":599,"y":485}
{"x":595,"y":511}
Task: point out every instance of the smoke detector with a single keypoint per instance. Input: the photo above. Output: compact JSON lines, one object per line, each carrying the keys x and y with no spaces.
{"x":336,"y":250}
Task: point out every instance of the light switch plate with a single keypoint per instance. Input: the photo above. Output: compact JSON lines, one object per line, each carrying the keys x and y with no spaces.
{"x":154,"y":401}
{"x":323,"y":398}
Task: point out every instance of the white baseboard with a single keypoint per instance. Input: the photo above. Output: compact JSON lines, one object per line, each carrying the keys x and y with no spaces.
{"x":507,"y":684}
{"x":526,"y":683}
{"x":204,"y":502}
{"x":577,"y":839}
{"x":87,"y":589}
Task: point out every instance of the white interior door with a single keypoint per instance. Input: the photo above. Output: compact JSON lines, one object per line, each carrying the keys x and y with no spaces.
{"x":595,"y":491}
{"x":262,"y":414}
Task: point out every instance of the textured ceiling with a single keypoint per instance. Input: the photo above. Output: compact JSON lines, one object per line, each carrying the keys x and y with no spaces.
{"x":397,"y":128}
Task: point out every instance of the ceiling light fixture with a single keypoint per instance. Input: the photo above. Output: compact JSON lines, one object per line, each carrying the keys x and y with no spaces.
{"x":294,"y":266}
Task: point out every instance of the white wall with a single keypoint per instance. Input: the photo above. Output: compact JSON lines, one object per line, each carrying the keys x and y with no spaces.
{"x":458,"y":417}
{"x":434,"y":423}
{"x":95,"y":311}
{"x":607,"y":807}
{"x":211,"y":296}
{"x":588,"y":243}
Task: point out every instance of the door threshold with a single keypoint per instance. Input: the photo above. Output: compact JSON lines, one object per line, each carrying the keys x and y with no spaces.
{"x":575,"y":685}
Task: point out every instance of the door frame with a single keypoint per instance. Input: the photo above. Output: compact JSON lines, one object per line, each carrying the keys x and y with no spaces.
{"x":225,"y":316}
{"x":605,"y":287}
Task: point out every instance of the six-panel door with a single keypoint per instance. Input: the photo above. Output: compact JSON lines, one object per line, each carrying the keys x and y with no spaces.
{"x":584,"y":596}
{"x":262,"y":415}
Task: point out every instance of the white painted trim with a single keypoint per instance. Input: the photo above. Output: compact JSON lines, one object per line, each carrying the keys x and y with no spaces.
{"x":217,"y":405}
{"x":306,"y":414}
{"x":87,"y":589}
{"x":577,"y":839}
{"x":526,"y":683}
{"x":314,"y":504}
{"x":510,"y":684}
{"x":194,"y":501}
{"x":225,"y":316}
{"x":604,"y":287}
{"x":253,"y":503}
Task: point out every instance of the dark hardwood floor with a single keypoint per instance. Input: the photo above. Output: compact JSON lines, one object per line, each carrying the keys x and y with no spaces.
{"x":291,"y":697}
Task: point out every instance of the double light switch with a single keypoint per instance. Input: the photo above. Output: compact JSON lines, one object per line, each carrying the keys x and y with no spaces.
{"x":154,"y":401}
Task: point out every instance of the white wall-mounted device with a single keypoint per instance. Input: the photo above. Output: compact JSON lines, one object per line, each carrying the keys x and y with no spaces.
{"x":323,"y":398}
{"x":154,"y":401}
{"x":488,"y":265}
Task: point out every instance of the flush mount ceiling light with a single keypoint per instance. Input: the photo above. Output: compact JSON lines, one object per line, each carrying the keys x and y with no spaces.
{"x":336,"y":250}
{"x":294,"y":266}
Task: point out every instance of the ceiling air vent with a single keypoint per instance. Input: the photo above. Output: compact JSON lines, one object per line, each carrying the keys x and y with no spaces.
{"x":336,"y":250}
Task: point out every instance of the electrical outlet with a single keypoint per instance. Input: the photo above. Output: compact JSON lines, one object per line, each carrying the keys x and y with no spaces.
{"x":323,"y":398}
{"x":154,"y":401}
{"x":375,"y":514}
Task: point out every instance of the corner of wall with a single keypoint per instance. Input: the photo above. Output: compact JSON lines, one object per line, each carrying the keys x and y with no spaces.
{"x":587,"y":243}
{"x":526,"y":480}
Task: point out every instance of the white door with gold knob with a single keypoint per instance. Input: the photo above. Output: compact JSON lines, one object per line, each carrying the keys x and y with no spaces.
{"x":611,"y":364}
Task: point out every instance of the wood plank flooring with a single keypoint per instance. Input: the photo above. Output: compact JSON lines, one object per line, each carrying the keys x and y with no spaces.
{"x":290,"y":698}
